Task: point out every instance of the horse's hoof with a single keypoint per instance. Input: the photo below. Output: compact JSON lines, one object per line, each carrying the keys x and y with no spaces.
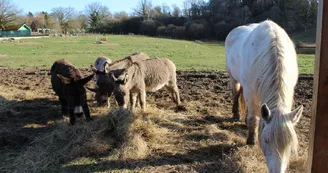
{"x":89,"y":119}
{"x":250,"y":141}
{"x":236,"y":119}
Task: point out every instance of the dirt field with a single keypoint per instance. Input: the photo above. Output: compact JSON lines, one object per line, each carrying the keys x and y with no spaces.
{"x":201,"y":137}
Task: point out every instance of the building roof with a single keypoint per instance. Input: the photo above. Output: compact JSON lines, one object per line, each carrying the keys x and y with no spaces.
{"x":15,"y":27}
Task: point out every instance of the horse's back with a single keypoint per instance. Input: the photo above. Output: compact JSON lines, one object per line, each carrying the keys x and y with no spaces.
{"x":233,"y":46}
{"x":250,"y":50}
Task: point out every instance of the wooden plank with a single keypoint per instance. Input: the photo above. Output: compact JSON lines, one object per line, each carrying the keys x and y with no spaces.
{"x":318,"y":150}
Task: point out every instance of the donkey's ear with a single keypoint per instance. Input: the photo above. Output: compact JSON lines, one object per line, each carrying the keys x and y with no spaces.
{"x":126,"y":77}
{"x":107,"y":65}
{"x":265,"y":113}
{"x":85,"y":80}
{"x":65,"y":80}
{"x":296,"y":114}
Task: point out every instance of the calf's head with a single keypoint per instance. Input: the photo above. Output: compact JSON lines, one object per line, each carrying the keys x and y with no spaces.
{"x":75,"y":93}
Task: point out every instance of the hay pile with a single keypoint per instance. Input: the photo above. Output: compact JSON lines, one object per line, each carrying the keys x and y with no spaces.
{"x":121,"y":134}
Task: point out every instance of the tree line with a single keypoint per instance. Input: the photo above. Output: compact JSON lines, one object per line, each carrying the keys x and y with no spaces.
{"x":197,"y":19}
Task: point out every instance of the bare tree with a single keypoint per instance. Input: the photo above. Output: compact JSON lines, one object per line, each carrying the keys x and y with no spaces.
{"x":8,"y":12}
{"x":63,"y":15}
{"x":121,"y":15}
{"x":176,"y":11}
{"x":144,"y":8}
{"x":97,"y":14}
{"x":187,"y":8}
{"x":83,"y":19}
{"x":166,"y":10}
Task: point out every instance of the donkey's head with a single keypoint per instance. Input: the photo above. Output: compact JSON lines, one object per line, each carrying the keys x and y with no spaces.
{"x":75,"y":93}
{"x":121,"y":91}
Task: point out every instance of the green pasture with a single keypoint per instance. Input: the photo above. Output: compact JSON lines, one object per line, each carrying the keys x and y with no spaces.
{"x":82,"y":51}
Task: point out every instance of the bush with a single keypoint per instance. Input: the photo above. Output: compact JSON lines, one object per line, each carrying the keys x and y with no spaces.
{"x":161,"y":30}
{"x":132,"y":25}
{"x":196,"y":31}
{"x":179,"y":32}
{"x":148,"y":27}
{"x":177,"y":21}
{"x":169,"y":29}
{"x":222,"y":30}
{"x":114,"y":26}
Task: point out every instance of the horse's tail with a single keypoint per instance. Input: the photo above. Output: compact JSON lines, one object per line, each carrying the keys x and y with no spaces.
{"x":242,"y":105}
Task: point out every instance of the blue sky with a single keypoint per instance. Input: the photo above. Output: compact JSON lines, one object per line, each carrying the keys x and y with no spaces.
{"x":79,"y":5}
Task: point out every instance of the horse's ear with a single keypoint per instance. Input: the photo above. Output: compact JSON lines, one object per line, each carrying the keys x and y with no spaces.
{"x":296,"y":114}
{"x":265,"y":113}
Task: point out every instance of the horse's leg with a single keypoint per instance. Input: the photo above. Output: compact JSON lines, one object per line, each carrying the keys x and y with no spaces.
{"x":252,"y":117}
{"x":236,"y":88}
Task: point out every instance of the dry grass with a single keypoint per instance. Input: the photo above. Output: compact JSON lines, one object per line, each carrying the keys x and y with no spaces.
{"x":199,"y":138}
{"x":3,"y":56}
{"x":123,"y":134}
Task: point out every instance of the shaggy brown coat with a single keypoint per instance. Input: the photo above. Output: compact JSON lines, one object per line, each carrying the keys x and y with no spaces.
{"x":68,"y":83}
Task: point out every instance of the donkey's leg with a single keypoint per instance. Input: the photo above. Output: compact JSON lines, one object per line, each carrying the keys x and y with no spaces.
{"x":72,"y":119}
{"x":64,"y":106}
{"x":137,"y":101}
{"x":142,"y":98}
{"x":177,"y":95}
{"x":173,"y":88}
{"x":86,"y":111}
{"x":133,"y":100}
{"x":235,"y":85}
{"x":252,"y":117}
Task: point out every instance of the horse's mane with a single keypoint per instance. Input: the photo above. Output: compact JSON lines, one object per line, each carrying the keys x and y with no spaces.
{"x":273,"y":88}
{"x":276,"y":91}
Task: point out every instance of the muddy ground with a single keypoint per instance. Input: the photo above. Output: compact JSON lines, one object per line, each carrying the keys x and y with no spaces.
{"x":207,"y":94}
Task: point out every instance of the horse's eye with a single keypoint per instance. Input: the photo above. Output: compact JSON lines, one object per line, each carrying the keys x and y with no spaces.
{"x":266,"y":141}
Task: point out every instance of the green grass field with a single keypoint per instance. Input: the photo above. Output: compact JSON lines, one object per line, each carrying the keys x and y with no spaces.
{"x":82,"y":51}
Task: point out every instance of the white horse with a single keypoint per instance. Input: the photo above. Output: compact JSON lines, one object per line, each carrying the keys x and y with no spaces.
{"x":262,"y":65}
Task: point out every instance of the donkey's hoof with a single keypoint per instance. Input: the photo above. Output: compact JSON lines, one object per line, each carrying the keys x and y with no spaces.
{"x":72,"y":121}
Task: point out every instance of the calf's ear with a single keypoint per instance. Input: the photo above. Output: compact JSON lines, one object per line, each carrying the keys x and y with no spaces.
{"x":85,"y":80}
{"x":65,"y":80}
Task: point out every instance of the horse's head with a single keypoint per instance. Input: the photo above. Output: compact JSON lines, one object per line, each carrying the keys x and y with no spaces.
{"x":277,"y":136}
